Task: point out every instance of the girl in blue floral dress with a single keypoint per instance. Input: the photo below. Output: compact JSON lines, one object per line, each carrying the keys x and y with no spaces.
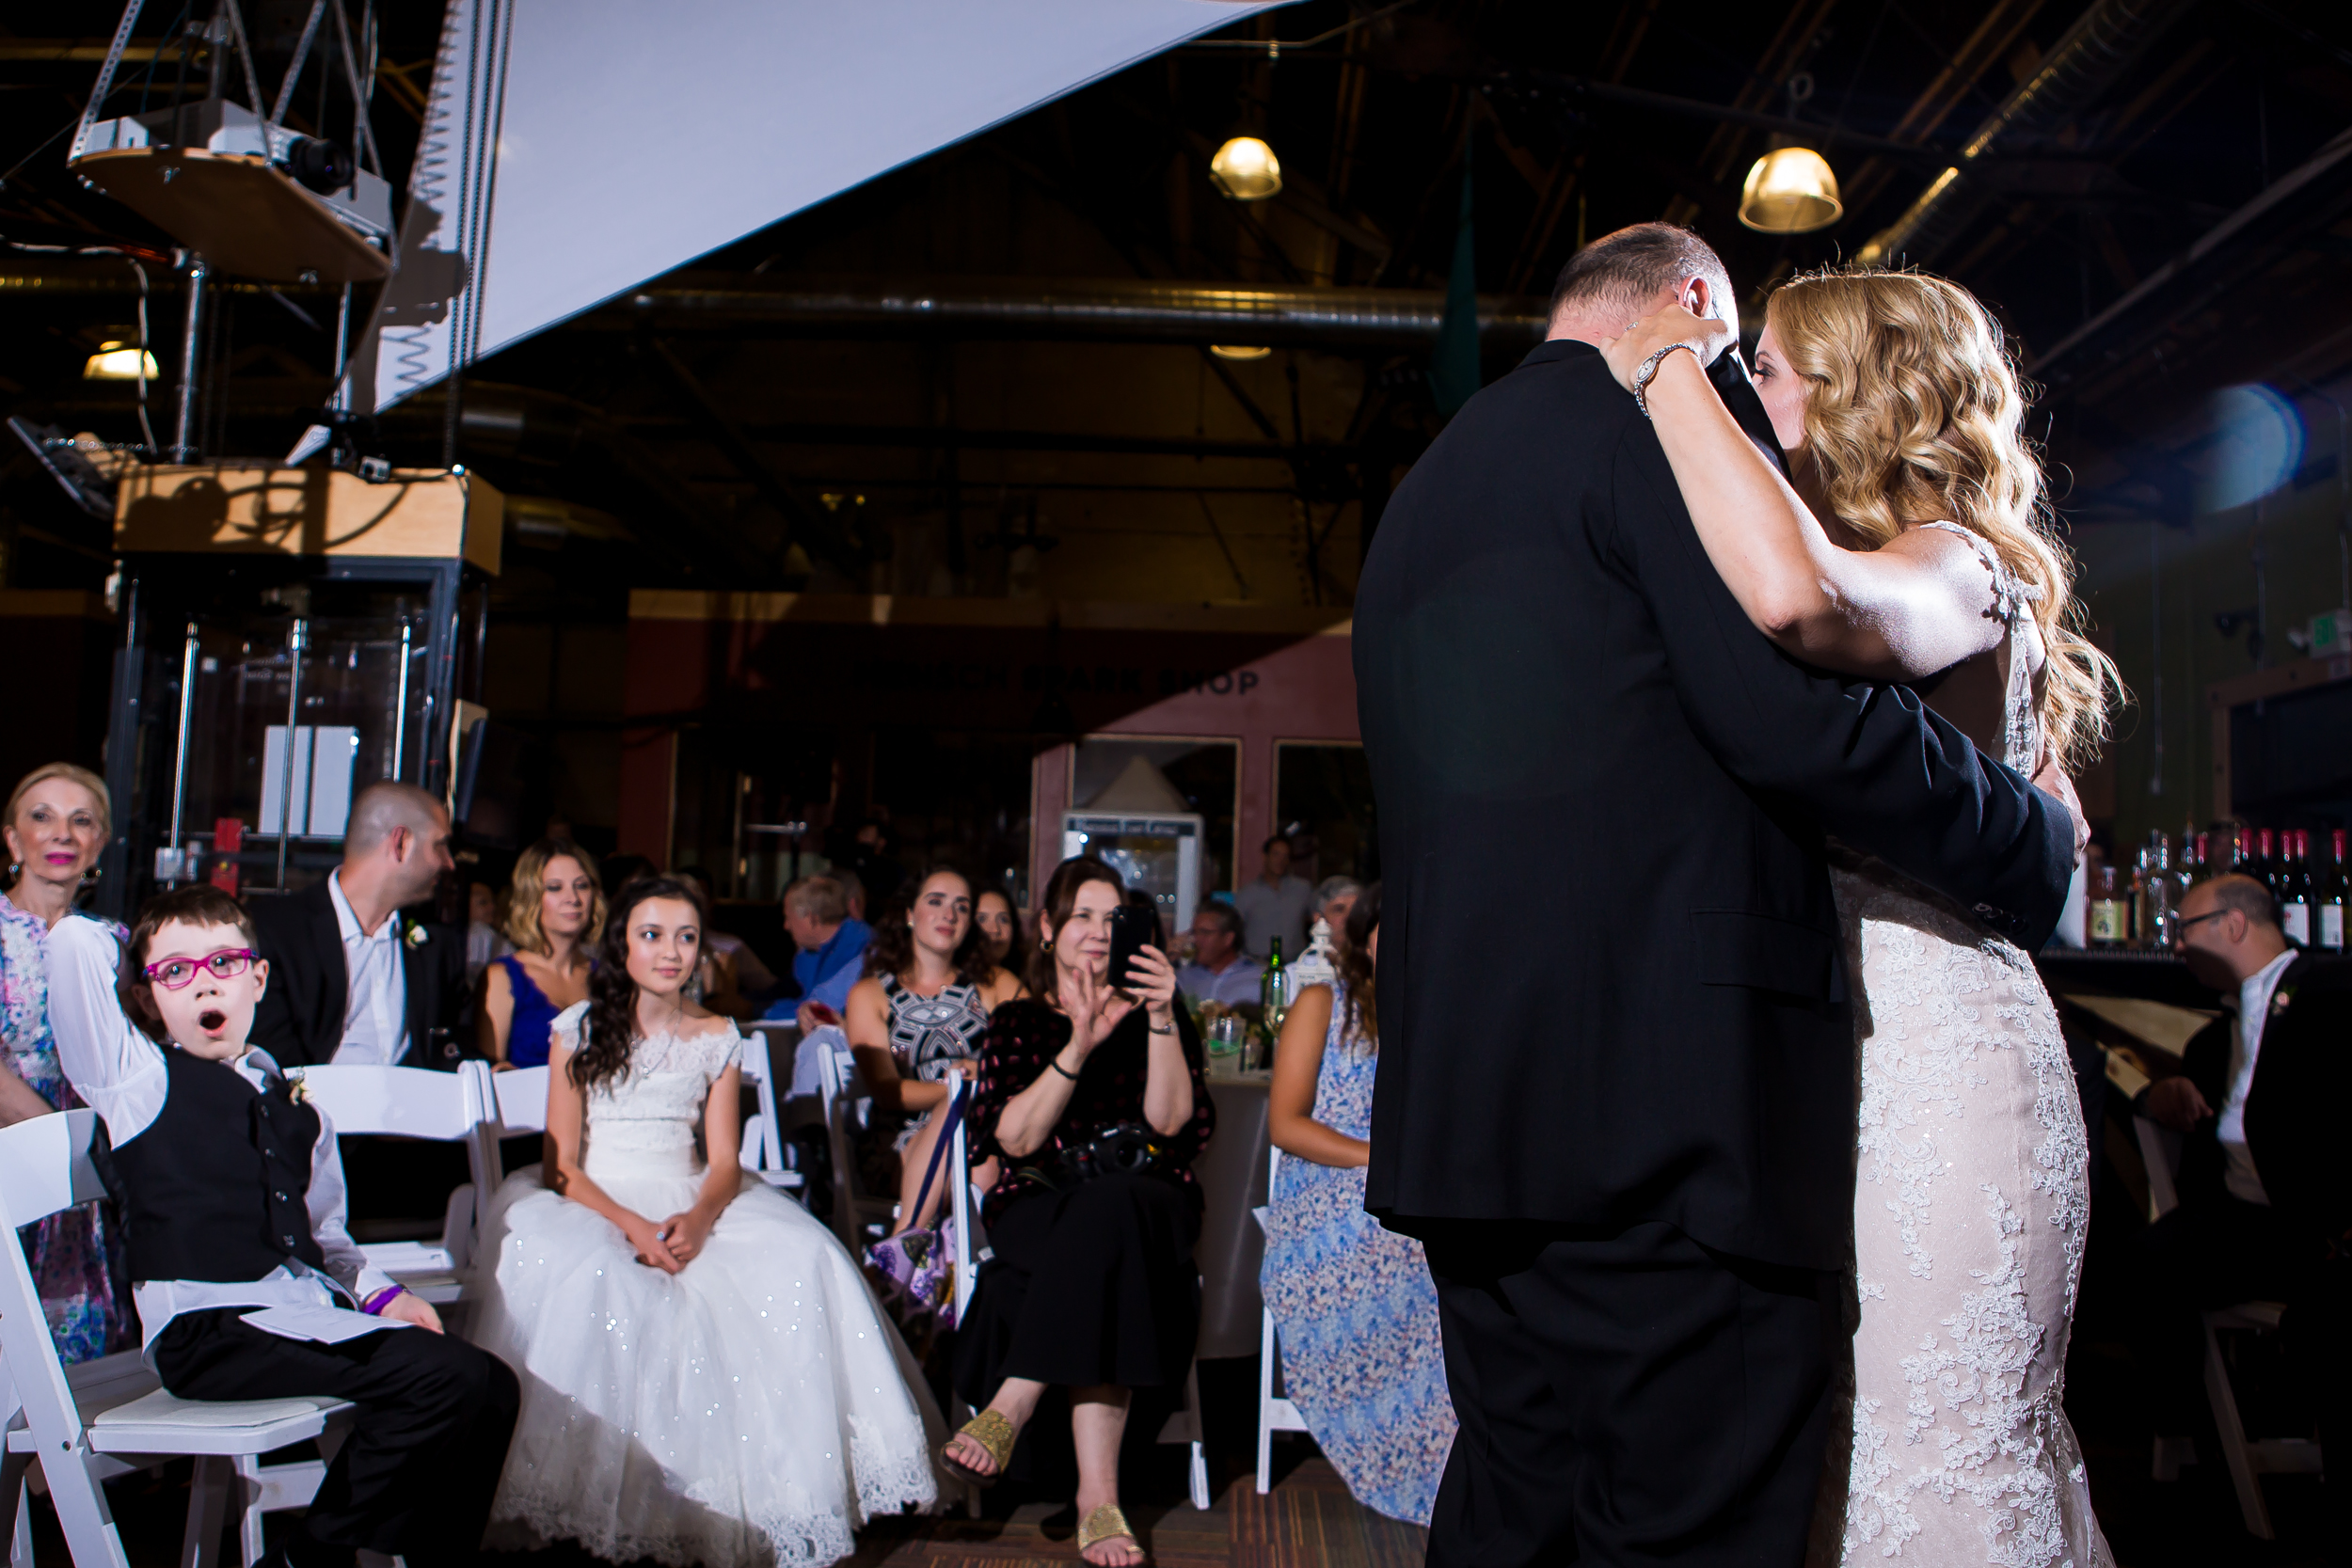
{"x":56,"y":823}
{"x":1354,"y":1313}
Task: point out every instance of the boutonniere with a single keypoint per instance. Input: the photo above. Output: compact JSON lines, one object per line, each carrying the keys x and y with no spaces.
{"x":2279,"y":998}
{"x":414,"y":934}
{"x":298,"y":1086}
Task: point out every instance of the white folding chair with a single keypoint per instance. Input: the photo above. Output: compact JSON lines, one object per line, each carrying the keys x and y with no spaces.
{"x":762,"y":1151}
{"x":518,"y":1102}
{"x":111,"y":1417}
{"x":2249,"y":1459}
{"x":853,"y":1210}
{"x":1275,"y":1413}
{"x":416,"y":1103}
{"x":1183,"y":1426}
{"x":971,"y":1244}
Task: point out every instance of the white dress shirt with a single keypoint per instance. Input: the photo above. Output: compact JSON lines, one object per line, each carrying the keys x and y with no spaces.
{"x":2253,"y":1011}
{"x":376,"y":1031}
{"x":120,"y":1073}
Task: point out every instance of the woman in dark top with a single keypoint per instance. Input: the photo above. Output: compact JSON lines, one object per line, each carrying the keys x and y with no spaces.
{"x":1093,"y":1099}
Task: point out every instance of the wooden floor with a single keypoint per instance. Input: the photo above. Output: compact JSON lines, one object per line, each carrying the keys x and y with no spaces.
{"x":1307,"y":1521}
{"x":1310,"y":1521}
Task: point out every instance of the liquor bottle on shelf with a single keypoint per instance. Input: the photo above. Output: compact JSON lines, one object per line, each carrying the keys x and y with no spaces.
{"x":2187,"y":866}
{"x":2294,"y":889}
{"x":2328,"y":912}
{"x":2266,"y":867}
{"x":2155,"y":895}
{"x":2242,"y":853}
{"x":2111,"y":924}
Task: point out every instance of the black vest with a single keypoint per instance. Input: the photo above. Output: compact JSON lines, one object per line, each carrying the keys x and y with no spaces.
{"x":216,"y":1188}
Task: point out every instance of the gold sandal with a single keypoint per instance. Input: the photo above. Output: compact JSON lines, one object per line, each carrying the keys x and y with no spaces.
{"x":1106,"y":1523}
{"x":992,"y":1432}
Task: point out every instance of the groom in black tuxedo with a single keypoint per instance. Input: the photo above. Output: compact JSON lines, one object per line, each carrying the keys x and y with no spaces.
{"x":1616,"y":1083}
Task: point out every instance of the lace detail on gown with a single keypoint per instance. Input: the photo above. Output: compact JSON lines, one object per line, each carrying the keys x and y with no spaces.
{"x":1972,"y":1202}
{"x":753,"y":1409}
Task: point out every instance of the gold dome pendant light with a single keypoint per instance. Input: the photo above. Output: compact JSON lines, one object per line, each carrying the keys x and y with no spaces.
{"x":1791,"y":191}
{"x":1245,"y":170}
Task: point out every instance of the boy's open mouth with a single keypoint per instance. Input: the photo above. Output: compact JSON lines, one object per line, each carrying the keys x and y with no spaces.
{"x":211,"y":1019}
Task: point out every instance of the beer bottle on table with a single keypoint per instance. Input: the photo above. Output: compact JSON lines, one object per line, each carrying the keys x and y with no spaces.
{"x":1274,"y":999}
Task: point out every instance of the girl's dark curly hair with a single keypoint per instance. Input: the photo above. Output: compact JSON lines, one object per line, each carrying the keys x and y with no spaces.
{"x":610,"y":1029}
{"x":1360,"y":1023}
{"x":892,"y":949}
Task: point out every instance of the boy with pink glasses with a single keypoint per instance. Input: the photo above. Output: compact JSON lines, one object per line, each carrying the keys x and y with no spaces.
{"x":247,"y":1282}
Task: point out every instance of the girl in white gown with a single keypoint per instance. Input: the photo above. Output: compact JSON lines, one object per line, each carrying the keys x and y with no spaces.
{"x":1910,"y":546}
{"x":707,"y":1379}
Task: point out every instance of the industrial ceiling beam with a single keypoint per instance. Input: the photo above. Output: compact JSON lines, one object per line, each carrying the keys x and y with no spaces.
{"x":2314,"y":195}
{"x":1111,"y":310}
{"x":2082,"y":64}
{"x":810,"y":524}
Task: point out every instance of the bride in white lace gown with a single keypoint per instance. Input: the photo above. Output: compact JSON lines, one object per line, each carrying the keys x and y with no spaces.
{"x":706,"y":1378}
{"x":1902,"y":416}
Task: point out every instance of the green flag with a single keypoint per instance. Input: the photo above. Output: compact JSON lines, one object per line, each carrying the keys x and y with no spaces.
{"x":1453,"y":368}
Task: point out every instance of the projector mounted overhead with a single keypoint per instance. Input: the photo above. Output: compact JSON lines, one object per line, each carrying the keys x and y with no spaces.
{"x":230,"y":183}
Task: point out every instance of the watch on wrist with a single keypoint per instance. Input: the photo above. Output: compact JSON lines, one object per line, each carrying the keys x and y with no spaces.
{"x":1648,"y":373}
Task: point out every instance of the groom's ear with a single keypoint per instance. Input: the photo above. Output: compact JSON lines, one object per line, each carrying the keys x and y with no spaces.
{"x":1698,"y":297}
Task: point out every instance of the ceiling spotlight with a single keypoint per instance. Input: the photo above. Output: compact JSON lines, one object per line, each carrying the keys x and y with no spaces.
{"x":1791,"y":191}
{"x":1239,"y":351}
{"x":1245,"y":170}
{"x":120,"y":362}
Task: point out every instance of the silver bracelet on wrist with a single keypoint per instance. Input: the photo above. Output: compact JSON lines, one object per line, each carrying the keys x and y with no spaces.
{"x":1648,"y":371}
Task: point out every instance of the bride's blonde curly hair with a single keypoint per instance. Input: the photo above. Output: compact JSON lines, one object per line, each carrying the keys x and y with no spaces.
{"x":1916,"y":414}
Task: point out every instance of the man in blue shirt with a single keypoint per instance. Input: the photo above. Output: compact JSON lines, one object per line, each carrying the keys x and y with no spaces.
{"x":832,"y":946}
{"x":1220,"y":971}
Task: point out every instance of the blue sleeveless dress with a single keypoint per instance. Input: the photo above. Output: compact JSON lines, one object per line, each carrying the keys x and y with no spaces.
{"x":535,"y":1016}
{"x":1354,"y":1313}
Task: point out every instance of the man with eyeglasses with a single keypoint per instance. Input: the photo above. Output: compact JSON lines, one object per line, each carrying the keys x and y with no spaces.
{"x":2266,"y":1210}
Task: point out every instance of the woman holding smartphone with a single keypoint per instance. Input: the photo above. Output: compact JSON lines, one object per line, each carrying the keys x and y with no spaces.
{"x":1090,"y":1089}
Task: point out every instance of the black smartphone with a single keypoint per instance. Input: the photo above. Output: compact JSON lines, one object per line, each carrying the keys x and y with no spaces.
{"x":1131,"y":932}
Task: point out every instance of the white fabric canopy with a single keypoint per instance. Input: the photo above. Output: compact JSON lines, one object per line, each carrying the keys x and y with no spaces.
{"x":632,"y":136}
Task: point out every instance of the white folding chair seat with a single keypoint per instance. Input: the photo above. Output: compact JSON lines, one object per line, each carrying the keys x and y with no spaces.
{"x":1275,"y":1413}
{"x":84,"y":1424}
{"x":416,"y":1103}
{"x":2249,"y":1459}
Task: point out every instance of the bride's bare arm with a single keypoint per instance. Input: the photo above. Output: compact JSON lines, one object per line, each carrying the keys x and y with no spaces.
{"x":1902,"y":611}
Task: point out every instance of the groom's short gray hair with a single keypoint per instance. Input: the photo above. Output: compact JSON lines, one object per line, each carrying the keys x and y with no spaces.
{"x":1629,"y":267}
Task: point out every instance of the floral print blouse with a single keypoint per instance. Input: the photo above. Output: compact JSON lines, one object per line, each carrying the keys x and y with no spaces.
{"x":1023,"y":1036}
{"x":68,"y":1252}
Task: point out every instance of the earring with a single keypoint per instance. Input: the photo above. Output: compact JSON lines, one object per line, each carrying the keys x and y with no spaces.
{"x":89,"y":877}
{"x":1047,"y":946}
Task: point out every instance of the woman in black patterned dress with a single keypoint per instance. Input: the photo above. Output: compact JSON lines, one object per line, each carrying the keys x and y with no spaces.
{"x":915,"y":1021}
{"x":1093,"y":1098}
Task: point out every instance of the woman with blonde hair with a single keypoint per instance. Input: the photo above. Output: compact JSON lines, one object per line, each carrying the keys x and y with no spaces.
{"x":1912,"y":540}
{"x":57,"y":821}
{"x":554,"y":914}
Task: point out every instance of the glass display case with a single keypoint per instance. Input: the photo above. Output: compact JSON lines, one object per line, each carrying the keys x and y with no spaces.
{"x":1160,"y":854}
{"x":350,"y":669}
